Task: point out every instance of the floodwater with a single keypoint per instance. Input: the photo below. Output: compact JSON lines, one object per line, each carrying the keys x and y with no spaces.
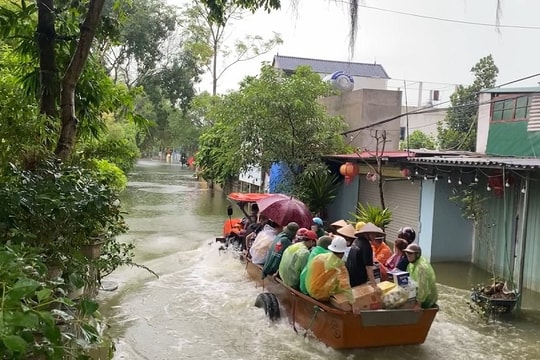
{"x":201,"y":306}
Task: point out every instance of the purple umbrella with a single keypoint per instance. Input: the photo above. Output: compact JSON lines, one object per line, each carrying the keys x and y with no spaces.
{"x":284,"y":209}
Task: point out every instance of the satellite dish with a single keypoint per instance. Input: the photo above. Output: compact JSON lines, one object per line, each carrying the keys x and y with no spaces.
{"x":341,"y":81}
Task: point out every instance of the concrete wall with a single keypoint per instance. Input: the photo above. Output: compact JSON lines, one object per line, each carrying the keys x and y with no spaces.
{"x":442,"y":218}
{"x":484,"y":116}
{"x":345,"y":202}
{"x":364,"y":107}
{"x":426,"y":123}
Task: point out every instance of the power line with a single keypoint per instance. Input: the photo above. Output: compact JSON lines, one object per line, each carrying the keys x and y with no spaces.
{"x":501,"y":26}
{"x":428,"y":109}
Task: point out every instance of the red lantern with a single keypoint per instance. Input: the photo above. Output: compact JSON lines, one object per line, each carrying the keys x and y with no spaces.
{"x":349,"y":170}
{"x":405,"y":172}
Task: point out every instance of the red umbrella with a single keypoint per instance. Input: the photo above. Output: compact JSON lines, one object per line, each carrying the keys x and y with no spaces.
{"x":283,"y":209}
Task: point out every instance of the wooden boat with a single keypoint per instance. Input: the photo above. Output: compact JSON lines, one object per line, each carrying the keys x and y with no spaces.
{"x":340,"y":329}
{"x":334,"y":327}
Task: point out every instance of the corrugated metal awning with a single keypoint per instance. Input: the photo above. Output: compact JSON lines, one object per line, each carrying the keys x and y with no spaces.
{"x":488,"y":162}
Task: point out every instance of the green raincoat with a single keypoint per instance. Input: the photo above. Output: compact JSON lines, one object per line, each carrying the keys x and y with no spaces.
{"x":292,"y":263}
{"x":317,"y":250}
{"x":280,"y":243}
{"x":424,"y":276}
{"x":327,"y":275}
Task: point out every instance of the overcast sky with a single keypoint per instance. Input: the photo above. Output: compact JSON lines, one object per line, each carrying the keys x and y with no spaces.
{"x":410,"y":48}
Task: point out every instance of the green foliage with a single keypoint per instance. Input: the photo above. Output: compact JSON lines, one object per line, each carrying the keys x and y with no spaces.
{"x":317,"y":188}
{"x":458,"y":131}
{"x":206,"y":40}
{"x":418,"y":140}
{"x":217,"y":7}
{"x":471,"y":202}
{"x":109,"y":174}
{"x":117,"y":145}
{"x":24,"y":134}
{"x":59,"y":209}
{"x":272,"y":118}
{"x":373,"y":214}
{"x":38,"y":320}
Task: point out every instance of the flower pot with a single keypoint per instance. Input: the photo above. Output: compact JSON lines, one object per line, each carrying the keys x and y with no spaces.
{"x":92,"y":251}
{"x":497,"y":304}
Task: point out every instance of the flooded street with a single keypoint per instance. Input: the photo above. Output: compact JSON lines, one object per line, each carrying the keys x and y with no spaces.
{"x":201,"y":307}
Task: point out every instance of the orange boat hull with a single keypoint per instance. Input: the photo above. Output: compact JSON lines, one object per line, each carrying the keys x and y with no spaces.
{"x":345,"y":330}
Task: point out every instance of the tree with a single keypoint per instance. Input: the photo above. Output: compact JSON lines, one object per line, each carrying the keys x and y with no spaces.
{"x":218,"y":11}
{"x":139,"y":48}
{"x":418,"y":140}
{"x":458,"y":130}
{"x":207,"y":40}
{"x":273,"y":118}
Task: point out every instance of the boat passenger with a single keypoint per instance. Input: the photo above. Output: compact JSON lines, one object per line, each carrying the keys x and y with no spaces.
{"x":282,"y":241}
{"x":321,"y":248}
{"x":347,"y":232}
{"x":294,"y":259}
{"x":338,"y":224}
{"x":399,"y":246}
{"x":381,"y":253}
{"x":317,"y":226}
{"x":326,"y":274}
{"x":422,"y":273}
{"x":300,"y":235}
{"x":261,"y":245}
{"x":360,"y":259}
{"x":408,"y":234}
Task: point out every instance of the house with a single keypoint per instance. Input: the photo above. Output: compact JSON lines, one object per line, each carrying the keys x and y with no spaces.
{"x":504,"y":176}
{"x":366,"y":76}
{"x":472,"y":207}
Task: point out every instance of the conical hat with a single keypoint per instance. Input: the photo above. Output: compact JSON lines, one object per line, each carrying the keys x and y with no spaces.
{"x":339,"y":223}
{"x":347,"y":231}
{"x":370,"y":228}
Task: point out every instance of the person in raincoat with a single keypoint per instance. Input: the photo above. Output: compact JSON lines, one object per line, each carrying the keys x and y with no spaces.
{"x":317,"y":226}
{"x":422,"y":273}
{"x":321,"y":248}
{"x":326,"y":274}
{"x":260,"y":248}
{"x":282,"y":241}
{"x":294,"y":259}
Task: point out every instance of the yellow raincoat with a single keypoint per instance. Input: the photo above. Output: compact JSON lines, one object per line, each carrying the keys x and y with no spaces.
{"x":326,"y":275}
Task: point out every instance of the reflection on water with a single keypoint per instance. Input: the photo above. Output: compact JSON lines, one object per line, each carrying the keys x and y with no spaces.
{"x":202,"y":304}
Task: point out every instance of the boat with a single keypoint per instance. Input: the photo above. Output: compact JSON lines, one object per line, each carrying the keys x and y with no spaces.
{"x":334,"y":327}
{"x":337,"y":328}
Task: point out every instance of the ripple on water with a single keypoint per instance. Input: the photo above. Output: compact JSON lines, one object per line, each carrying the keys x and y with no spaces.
{"x":202,"y":307}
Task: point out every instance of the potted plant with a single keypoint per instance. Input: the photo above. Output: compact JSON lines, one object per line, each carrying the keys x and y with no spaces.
{"x":373,"y":214}
{"x":318,"y":188}
{"x":494,"y":296}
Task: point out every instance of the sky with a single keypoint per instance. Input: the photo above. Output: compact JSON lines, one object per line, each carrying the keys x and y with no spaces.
{"x":410,"y":48}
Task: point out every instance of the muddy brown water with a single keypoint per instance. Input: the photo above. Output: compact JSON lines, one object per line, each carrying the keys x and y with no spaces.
{"x":201,"y":306}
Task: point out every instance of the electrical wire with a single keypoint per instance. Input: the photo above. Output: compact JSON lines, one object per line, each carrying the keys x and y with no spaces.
{"x":455,"y":21}
{"x":430,"y":108}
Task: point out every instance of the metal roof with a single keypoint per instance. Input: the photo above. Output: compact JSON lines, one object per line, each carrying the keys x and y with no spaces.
{"x":508,"y":162}
{"x":517,"y":90}
{"x":290,"y":63}
{"x":365,"y":155}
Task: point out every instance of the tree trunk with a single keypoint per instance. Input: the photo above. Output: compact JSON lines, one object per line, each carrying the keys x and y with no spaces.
{"x":46,"y":40}
{"x":214,"y":70}
{"x":68,"y":132}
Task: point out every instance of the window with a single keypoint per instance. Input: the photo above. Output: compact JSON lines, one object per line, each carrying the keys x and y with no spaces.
{"x":511,"y":109}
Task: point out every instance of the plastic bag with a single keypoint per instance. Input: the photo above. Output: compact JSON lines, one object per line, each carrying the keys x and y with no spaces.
{"x":260,"y":248}
{"x":395,"y":298}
